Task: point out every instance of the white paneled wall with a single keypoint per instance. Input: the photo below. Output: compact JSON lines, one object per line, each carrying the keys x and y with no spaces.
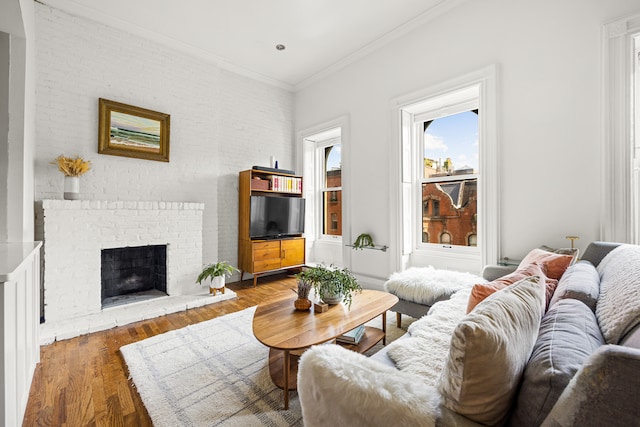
{"x":19,"y":327}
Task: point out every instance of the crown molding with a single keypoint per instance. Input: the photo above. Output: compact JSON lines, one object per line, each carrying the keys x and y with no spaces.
{"x":429,"y":15}
{"x":79,"y":10}
{"x":75,"y":8}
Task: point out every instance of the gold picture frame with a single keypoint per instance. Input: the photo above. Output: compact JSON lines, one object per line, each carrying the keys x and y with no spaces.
{"x":125,"y":130}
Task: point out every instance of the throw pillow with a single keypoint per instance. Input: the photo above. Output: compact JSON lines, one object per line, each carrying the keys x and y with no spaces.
{"x":568,"y":335}
{"x":618,"y":309}
{"x":581,"y":281}
{"x":489,"y":350}
{"x":564,"y":251}
{"x":555,"y":264}
{"x":482,"y":290}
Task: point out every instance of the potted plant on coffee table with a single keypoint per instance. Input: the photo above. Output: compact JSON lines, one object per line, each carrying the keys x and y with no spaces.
{"x":216,"y":273}
{"x":331,"y":284}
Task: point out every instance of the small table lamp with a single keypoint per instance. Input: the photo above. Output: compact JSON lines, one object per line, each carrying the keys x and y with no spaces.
{"x":572,"y":238}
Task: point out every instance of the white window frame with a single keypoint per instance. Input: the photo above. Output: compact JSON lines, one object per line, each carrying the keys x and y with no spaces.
{"x":328,"y":251}
{"x":320,"y":147}
{"x":418,"y":121}
{"x":406,"y":252}
{"x":620,"y":190}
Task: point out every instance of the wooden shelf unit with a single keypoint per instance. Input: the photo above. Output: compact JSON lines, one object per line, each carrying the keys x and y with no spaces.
{"x":258,"y":257}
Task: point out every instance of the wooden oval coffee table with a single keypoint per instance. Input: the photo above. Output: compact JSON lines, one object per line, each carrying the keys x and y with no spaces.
{"x":288,"y":332}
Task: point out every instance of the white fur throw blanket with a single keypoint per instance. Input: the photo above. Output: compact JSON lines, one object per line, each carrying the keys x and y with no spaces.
{"x":618,"y":308}
{"x":425,"y":352}
{"x":338,"y":387}
{"x":426,"y":285}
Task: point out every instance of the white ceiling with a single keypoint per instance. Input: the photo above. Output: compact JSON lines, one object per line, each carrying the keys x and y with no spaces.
{"x":319,"y":35}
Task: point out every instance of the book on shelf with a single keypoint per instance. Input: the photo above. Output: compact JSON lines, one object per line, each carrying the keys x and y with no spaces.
{"x":353,"y":336}
{"x":286,"y":184}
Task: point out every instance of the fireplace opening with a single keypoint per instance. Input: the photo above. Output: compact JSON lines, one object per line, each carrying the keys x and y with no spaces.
{"x":133,"y":274}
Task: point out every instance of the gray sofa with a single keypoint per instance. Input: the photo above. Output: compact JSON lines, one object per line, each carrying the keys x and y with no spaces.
{"x":581,"y":368}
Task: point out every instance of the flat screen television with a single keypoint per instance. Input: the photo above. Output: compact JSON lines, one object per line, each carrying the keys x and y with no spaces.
{"x":275,"y":217}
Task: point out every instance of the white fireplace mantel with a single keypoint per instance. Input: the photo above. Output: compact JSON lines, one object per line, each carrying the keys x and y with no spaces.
{"x":75,"y":232}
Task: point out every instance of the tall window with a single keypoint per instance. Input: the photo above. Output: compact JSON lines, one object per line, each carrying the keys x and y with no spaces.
{"x":620,"y":192}
{"x":449,"y":204}
{"x":329,"y":153}
{"x":450,"y":177}
{"x":324,"y":148}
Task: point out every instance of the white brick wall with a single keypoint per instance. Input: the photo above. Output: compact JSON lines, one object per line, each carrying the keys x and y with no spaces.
{"x":248,"y":143}
{"x":221,"y":123}
{"x":75,"y":232}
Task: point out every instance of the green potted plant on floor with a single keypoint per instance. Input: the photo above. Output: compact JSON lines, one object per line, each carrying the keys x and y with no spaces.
{"x":216,"y":273}
{"x":331,"y":284}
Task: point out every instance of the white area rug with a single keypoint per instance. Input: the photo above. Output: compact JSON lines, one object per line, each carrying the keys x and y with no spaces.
{"x":214,"y":373}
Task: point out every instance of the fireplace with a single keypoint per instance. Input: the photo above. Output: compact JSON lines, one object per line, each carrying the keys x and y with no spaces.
{"x":132,"y":274}
{"x":77,"y":231}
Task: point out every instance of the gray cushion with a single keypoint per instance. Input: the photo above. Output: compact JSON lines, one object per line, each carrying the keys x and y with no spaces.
{"x":493,"y":272}
{"x":580,"y":281}
{"x":568,"y":335}
{"x":596,"y":251}
{"x":411,"y":308}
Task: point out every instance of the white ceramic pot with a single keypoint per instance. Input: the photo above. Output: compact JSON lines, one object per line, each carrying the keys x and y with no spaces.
{"x":217,"y":284}
{"x":71,"y":187}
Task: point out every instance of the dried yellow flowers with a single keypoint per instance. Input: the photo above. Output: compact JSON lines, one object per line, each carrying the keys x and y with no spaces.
{"x":69,"y":166}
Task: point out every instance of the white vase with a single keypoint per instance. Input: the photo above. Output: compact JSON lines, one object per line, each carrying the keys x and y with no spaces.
{"x":71,"y":187}
{"x":217,"y":284}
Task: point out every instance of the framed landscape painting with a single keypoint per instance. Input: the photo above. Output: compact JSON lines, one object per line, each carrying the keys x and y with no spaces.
{"x":125,"y":130}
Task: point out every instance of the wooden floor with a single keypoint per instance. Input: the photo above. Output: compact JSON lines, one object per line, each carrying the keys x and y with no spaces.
{"x":84,"y":381}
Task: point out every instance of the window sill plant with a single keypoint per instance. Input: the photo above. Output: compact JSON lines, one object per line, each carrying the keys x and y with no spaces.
{"x":363,"y":241}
